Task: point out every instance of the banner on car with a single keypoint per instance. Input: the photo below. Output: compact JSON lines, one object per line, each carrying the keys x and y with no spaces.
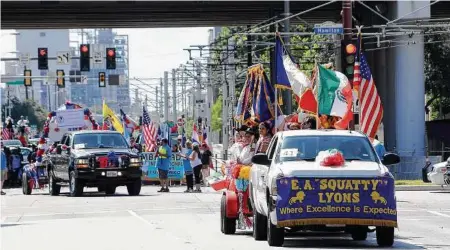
{"x":348,"y":201}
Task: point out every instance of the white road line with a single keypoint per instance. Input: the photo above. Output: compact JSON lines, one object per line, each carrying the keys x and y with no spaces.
{"x":437,"y":213}
{"x":110,"y":211}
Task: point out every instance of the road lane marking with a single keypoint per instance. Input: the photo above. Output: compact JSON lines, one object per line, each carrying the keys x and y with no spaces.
{"x":154,"y":226}
{"x":111,"y":211}
{"x":439,"y":214}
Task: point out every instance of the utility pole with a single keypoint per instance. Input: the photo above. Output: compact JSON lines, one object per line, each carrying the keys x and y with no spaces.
{"x":183,"y":92}
{"x":157,"y":101}
{"x":249,"y":48}
{"x":225,"y":113}
{"x":174,"y":95}
{"x":232,"y":91}
{"x":198,"y":90}
{"x":209,"y":102}
{"x":287,"y":94}
{"x":166,"y":96}
{"x":347,"y":25}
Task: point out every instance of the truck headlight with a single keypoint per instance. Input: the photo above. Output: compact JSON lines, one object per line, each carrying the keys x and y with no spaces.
{"x":81,"y":163}
{"x":135,"y":162}
{"x":273,"y":184}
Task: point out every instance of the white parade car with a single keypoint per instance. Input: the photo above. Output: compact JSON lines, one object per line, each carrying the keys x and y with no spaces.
{"x":439,"y":174}
{"x":293,"y":154}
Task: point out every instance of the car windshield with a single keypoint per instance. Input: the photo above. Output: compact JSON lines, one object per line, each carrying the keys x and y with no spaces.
{"x":306,"y":148}
{"x":12,"y":143}
{"x":99,"y":141}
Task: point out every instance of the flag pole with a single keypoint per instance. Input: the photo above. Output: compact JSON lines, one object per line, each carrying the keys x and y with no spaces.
{"x":359,"y":59}
{"x":276,"y":88}
{"x":317,"y":79}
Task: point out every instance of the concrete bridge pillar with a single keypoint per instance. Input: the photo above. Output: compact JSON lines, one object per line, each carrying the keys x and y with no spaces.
{"x":404,"y":107}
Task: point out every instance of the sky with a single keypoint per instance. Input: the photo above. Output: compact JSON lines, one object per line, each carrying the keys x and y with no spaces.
{"x":151,"y":51}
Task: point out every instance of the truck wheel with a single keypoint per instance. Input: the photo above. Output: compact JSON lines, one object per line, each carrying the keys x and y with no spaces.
{"x":53,"y":188}
{"x":76,"y":186}
{"x":110,"y":190}
{"x":259,"y":226}
{"x":25,"y":187}
{"x":275,"y":235}
{"x":227,"y":225}
{"x":385,"y":236}
{"x":134,"y":188}
{"x":359,"y":234}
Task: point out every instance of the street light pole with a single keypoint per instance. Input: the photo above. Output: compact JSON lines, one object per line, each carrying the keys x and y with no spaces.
{"x":166,"y":96}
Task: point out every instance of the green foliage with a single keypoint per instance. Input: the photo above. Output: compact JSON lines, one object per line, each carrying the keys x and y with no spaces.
{"x":437,"y":70}
{"x":306,"y":50}
{"x":28,"y":108}
{"x":188,"y":127}
{"x":216,"y":115}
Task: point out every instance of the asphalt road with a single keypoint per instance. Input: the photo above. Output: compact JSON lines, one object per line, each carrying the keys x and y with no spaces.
{"x":184,"y":221}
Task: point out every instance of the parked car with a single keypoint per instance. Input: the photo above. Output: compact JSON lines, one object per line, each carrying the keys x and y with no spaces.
{"x":439,"y":173}
{"x":94,"y":158}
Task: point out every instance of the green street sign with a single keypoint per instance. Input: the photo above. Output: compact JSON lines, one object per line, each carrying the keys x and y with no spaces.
{"x":15,"y":83}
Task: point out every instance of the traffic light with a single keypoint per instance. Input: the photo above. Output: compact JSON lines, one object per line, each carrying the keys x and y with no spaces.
{"x":101,"y":79}
{"x":110,"y":58}
{"x":42,"y":58}
{"x":27,"y":78}
{"x":85,"y":57}
{"x":60,"y":81}
{"x":348,"y":59}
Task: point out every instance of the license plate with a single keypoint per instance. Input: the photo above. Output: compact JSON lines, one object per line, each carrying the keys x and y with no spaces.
{"x":111,"y":174}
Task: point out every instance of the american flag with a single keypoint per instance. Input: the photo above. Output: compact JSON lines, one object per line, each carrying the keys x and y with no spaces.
{"x":370,"y":107}
{"x":149,"y":130}
{"x":6,"y":134}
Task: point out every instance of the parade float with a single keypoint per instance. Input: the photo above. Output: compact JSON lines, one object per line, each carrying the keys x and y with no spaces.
{"x":69,"y":117}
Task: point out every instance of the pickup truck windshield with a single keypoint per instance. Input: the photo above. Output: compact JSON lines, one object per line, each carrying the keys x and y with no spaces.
{"x":306,"y":148}
{"x":99,"y":141}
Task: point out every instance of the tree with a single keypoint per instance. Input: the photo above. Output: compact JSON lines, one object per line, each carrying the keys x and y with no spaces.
{"x":437,"y":70}
{"x":216,"y":115}
{"x":28,"y":108}
{"x":306,"y":50}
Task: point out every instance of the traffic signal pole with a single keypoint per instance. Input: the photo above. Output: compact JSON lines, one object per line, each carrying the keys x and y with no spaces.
{"x":26,"y":87}
{"x":347,"y":25}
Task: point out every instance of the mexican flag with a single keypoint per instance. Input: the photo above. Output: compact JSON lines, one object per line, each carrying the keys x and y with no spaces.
{"x":335,"y":97}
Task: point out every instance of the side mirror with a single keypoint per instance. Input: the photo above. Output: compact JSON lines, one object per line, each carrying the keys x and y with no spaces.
{"x":261,"y":159}
{"x":390,"y":159}
{"x":425,"y":172}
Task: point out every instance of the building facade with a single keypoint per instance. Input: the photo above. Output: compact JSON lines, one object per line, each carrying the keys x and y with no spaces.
{"x":43,"y":90}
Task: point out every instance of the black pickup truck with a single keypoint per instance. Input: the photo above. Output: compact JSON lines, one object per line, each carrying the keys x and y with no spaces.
{"x":95,"y":158}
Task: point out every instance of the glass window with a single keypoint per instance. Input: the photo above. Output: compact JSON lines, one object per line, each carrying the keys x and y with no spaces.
{"x":306,"y":148}
{"x":105,"y":140}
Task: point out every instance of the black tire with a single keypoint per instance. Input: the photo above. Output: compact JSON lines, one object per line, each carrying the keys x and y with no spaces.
{"x":385,"y":236}
{"x":359,"y":234}
{"x":101,"y":189}
{"x":259,"y":226}
{"x":275,"y":235}
{"x":227,"y":225}
{"x":26,"y":190}
{"x":76,"y":186}
{"x":110,"y":190}
{"x":134,"y":189}
{"x":53,"y":188}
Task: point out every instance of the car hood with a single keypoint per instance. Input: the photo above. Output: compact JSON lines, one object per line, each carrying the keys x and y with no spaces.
{"x":313,"y":169}
{"x":101,"y":151}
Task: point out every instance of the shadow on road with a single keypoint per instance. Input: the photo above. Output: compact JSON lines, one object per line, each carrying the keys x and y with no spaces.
{"x":330,"y":240}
